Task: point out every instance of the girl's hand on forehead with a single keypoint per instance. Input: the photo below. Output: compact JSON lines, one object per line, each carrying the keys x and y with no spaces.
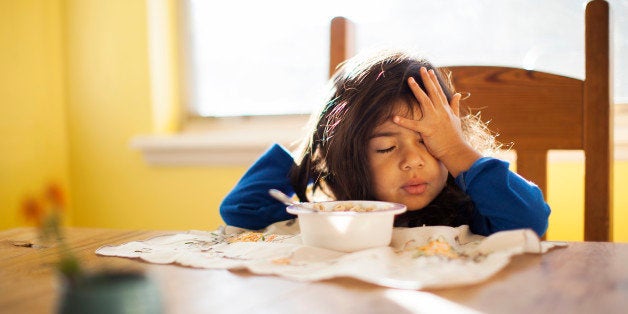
{"x":440,"y":125}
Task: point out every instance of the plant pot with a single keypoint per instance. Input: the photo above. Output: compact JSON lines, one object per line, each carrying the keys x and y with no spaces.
{"x":111,"y":293}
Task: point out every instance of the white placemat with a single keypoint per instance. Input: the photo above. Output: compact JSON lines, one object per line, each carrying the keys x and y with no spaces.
{"x":418,"y":258}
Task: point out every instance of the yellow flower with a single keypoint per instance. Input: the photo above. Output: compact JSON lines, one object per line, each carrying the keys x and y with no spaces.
{"x":32,"y":210}
{"x":46,"y":213}
{"x":54,"y":194}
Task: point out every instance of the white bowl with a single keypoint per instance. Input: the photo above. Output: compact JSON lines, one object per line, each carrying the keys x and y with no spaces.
{"x":346,"y":231}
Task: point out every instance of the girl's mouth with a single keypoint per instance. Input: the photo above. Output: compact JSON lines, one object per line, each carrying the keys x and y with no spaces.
{"x":415,"y":189}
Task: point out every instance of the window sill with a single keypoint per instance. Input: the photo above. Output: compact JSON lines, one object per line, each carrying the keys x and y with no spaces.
{"x":236,"y":141}
{"x":239,"y":141}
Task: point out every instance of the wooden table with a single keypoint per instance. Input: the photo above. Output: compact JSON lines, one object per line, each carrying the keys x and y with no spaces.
{"x":585,"y":277}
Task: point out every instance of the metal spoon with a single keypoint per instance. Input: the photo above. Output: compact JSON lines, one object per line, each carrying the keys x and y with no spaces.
{"x":282,"y":197}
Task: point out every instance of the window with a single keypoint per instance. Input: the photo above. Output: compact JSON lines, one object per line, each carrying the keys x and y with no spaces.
{"x":258,"y":57}
{"x":258,"y":67}
{"x":271,"y":57}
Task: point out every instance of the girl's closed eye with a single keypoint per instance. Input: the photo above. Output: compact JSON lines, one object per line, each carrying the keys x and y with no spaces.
{"x":386,"y":150}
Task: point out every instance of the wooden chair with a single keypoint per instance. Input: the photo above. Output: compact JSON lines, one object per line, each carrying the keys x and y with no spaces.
{"x":540,"y":111}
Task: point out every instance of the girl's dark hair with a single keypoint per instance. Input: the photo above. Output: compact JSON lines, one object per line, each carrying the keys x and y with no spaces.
{"x":333,"y":156}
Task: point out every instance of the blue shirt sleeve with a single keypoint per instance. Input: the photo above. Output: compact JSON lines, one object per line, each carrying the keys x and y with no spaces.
{"x":503,"y":199}
{"x":249,"y":205}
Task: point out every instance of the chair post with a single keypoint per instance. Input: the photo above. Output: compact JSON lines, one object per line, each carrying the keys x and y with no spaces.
{"x":598,"y":126}
{"x":532,"y":165}
{"x":342,"y":42}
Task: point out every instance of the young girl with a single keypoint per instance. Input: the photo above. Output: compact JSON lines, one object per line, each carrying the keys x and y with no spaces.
{"x":391,"y":131}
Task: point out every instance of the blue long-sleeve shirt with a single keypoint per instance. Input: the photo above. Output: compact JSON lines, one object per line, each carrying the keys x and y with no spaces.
{"x":503,"y":200}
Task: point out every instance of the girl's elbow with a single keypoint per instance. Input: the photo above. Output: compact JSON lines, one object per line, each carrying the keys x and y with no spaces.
{"x":540,"y":224}
{"x":540,"y":228}
{"x":233,"y":214}
{"x":228,"y":214}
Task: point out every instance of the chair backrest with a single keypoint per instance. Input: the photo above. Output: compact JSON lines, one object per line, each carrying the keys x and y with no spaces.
{"x":539,"y":111}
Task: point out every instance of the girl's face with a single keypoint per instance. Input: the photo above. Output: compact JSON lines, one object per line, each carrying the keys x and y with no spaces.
{"x":402,"y":169}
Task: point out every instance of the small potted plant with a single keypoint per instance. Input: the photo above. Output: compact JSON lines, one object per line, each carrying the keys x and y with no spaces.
{"x":103,"y":291}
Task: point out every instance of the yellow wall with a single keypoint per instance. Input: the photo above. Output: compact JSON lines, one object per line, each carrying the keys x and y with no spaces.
{"x":33,"y":125}
{"x":75,"y":88}
{"x":109,"y":103}
{"x":566,"y":198}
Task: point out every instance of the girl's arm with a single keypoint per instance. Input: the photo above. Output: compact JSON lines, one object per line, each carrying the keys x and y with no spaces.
{"x":503,"y":199}
{"x":249,"y":205}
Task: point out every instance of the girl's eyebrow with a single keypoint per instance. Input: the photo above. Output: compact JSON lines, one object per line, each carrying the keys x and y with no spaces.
{"x":383,"y":134}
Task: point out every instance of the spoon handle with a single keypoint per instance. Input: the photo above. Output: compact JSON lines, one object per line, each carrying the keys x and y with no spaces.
{"x":280,"y":196}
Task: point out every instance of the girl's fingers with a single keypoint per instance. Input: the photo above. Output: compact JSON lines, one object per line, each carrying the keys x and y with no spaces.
{"x":428,"y":83}
{"x":420,"y":95}
{"x":455,"y":104}
{"x":428,"y":101}
{"x":408,"y":123}
{"x":439,"y":89}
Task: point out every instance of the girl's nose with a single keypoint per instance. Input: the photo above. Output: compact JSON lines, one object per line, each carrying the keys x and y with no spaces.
{"x":412,"y":158}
